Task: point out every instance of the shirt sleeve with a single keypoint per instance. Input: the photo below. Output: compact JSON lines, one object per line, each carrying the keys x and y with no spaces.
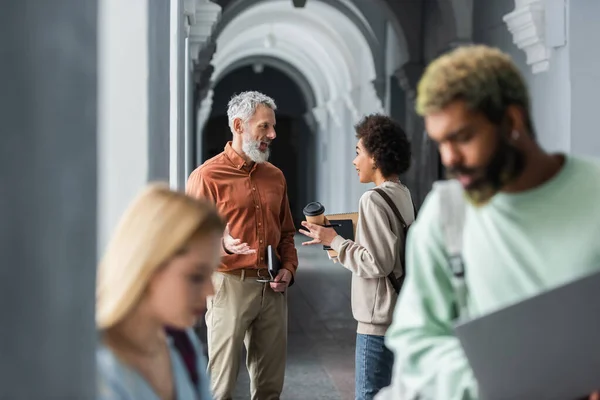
{"x":431,"y":362}
{"x":375,"y":256}
{"x":287,"y":248}
{"x":198,"y":187}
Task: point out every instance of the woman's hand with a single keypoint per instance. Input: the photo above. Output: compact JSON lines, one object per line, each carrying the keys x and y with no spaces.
{"x":318,"y":233}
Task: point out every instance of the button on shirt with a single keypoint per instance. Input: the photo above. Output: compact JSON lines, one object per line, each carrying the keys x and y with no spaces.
{"x":253,"y":200}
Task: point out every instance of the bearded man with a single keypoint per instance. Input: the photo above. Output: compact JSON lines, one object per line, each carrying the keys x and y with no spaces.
{"x":251,"y":194}
{"x":531,"y":220}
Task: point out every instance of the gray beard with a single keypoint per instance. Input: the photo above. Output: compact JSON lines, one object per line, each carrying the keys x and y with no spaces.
{"x":251,"y":149}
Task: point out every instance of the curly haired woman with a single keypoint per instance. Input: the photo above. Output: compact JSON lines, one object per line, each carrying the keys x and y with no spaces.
{"x":375,"y":257}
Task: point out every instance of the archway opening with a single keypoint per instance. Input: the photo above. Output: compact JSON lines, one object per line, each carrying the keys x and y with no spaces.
{"x":293,"y":151}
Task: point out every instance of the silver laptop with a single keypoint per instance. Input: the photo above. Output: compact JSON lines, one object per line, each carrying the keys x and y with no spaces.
{"x":546,"y":347}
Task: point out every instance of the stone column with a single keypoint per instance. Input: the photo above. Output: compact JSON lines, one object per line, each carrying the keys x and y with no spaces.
{"x":584,"y":79}
{"x":202,"y":86}
{"x":204,"y":16}
{"x":48,"y":199}
{"x":338,"y":168}
{"x":425,"y":166}
{"x":397,"y":101}
{"x":323,"y":158}
{"x":542,"y":29}
{"x":123,"y":125}
{"x":158,"y":90}
{"x":178,"y":68}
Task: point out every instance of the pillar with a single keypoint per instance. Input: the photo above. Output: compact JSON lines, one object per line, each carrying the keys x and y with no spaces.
{"x":203,"y":16}
{"x":425,"y":163}
{"x":48,"y":199}
{"x":584,"y":67}
{"x":159,"y":63}
{"x":124,"y":117}
{"x":178,"y":68}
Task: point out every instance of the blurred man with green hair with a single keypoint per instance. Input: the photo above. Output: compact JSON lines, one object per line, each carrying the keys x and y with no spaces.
{"x":531,"y":221}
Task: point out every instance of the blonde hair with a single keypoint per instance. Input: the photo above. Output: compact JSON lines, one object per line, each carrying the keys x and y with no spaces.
{"x":157,"y":224}
{"x":484,"y":77}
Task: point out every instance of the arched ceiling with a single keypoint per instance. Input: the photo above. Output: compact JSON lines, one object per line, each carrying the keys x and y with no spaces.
{"x":342,"y":53}
{"x":321,"y":42}
{"x":398,"y":13}
{"x":405,"y":16}
{"x":346,"y":7}
{"x":290,"y":70}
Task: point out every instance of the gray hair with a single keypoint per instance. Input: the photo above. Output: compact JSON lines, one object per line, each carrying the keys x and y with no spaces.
{"x":244,"y":105}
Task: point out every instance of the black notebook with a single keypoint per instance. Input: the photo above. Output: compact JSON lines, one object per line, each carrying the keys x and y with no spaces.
{"x":344,"y":228}
{"x":273,"y":263}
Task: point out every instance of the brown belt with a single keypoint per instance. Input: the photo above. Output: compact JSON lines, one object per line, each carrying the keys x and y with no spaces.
{"x":249,"y":272}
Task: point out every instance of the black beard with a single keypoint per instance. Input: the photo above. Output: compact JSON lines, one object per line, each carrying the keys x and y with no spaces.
{"x":506,"y":165}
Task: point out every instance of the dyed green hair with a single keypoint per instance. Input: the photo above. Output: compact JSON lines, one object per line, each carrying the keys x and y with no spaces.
{"x":485,"y":78}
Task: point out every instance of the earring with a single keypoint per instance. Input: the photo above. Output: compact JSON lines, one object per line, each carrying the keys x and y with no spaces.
{"x":515,"y":134}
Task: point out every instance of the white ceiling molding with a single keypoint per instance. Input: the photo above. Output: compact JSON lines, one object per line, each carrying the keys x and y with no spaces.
{"x":363,"y":100}
{"x":204,"y":112}
{"x":333,"y":113}
{"x":463,"y":17}
{"x":334,"y":61}
{"x":371,"y":103}
{"x":309,"y":69}
{"x":320,"y":114}
{"x":527,"y":26}
{"x":298,"y":77}
{"x":189,"y":10}
{"x":202,"y":16}
{"x":350,"y":103}
{"x":322,"y":59}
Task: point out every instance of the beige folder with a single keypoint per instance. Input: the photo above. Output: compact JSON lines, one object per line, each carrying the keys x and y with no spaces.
{"x":336,"y":217}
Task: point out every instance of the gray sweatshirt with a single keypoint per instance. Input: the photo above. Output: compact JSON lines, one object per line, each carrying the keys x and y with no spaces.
{"x":374,"y":254}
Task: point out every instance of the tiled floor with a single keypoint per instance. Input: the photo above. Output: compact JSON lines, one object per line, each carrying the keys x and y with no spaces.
{"x":321,"y":333}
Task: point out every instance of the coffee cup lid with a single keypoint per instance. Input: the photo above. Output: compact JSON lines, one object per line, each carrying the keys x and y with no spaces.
{"x":313,"y":209}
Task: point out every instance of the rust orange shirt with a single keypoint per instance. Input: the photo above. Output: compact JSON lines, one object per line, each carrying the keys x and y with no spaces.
{"x":255,"y":204}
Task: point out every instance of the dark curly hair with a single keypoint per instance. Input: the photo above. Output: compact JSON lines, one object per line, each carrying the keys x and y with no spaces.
{"x":385,"y":140}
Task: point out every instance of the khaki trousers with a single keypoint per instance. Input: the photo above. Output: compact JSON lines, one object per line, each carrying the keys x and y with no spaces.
{"x":245,"y":311}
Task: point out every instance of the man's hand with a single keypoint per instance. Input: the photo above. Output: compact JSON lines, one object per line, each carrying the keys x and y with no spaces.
{"x":318,"y":233}
{"x":235,"y":246}
{"x":595,"y":396}
{"x":281,"y":281}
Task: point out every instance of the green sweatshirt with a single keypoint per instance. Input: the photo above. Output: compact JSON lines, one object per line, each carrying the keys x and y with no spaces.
{"x":515,"y":247}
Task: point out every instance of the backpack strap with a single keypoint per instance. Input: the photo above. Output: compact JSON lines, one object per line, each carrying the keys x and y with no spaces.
{"x":452,"y":218}
{"x":388,"y":200}
{"x":396,"y":283}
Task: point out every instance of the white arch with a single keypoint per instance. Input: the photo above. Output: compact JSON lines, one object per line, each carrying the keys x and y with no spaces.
{"x":318,"y":71}
{"x":326,"y":46}
{"x":336,"y":61}
{"x":305,"y":33}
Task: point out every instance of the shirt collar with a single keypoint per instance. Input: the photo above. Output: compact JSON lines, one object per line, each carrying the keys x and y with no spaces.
{"x":234,"y":157}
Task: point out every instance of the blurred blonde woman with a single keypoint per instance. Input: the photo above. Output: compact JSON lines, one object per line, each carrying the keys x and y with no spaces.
{"x":151,"y":289}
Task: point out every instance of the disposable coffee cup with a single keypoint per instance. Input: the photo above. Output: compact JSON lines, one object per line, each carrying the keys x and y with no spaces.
{"x":315,"y":213}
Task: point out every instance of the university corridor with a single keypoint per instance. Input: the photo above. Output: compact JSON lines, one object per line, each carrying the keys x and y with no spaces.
{"x":101,"y":97}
